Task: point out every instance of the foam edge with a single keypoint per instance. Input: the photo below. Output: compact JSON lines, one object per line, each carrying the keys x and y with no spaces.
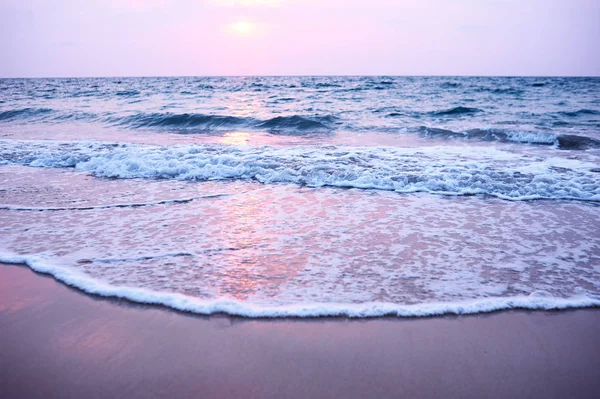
{"x":230,"y":307}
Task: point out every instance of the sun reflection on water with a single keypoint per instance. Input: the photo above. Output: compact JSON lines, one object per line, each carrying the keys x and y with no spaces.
{"x":235,"y":138}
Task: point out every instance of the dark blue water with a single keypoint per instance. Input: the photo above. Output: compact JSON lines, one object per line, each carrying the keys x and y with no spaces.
{"x":530,"y":110}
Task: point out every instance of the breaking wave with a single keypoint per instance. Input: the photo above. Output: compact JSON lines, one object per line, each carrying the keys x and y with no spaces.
{"x":436,"y":170}
{"x":296,"y":122}
{"x":562,"y":141}
{"x":201,"y":122}
{"x":182,"y":121}
{"x":299,"y":125}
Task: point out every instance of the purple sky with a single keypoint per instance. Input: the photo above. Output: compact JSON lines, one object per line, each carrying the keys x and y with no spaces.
{"x":299,"y":37}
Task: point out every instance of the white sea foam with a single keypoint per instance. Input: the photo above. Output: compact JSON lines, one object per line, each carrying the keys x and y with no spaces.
{"x":268,"y":250}
{"x":532,"y":138}
{"x":280,"y":249}
{"x":537,"y":300}
{"x":438,"y":170}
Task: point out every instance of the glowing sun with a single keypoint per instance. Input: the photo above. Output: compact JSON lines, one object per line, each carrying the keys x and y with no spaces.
{"x":242,"y":28}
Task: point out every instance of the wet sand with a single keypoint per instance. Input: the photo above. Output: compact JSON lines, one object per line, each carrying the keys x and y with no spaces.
{"x":57,"y":342}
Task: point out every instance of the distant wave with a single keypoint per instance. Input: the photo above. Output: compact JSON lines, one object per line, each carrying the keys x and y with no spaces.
{"x":127,"y":93}
{"x":395,"y":114}
{"x":581,"y":112}
{"x":23,"y":113}
{"x":307,"y":125}
{"x":321,"y":85}
{"x":436,"y":170}
{"x":501,"y":90}
{"x":89,"y":93}
{"x":449,"y":112}
{"x":455,"y":111}
{"x":562,"y":141}
{"x":450,"y":85}
{"x":45,"y":115}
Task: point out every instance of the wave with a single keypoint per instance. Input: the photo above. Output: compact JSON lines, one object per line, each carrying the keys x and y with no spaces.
{"x":537,"y":300}
{"x":436,"y":170}
{"x":297,"y":122}
{"x":450,"y":85}
{"x":573,"y":142}
{"x":510,"y":91}
{"x":501,"y":90}
{"x":170,"y":120}
{"x":24,"y":113}
{"x":89,"y":93}
{"x":321,"y":85}
{"x":279,"y":124}
{"x":561,"y":141}
{"x":185,"y":122}
{"x":302,"y":125}
{"x":456,"y":111}
{"x":45,"y":114}
{"x":581,"y":112}
{"x":127,"y":93}
{"x":512,"y":136}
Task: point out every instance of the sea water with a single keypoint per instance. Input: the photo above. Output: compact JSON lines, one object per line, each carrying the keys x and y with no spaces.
{"x":307,"y":196}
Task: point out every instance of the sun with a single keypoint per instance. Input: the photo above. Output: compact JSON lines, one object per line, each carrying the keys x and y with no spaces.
{"x":243,"y":28}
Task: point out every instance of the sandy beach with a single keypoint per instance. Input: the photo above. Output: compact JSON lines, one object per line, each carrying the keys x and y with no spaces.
{"x":299,"y":199}
{"x":57,"y":342}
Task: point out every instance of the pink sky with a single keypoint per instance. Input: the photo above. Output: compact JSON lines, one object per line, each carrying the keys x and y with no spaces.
{"x":299,"y":37}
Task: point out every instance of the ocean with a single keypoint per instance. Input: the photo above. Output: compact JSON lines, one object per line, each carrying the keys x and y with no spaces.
{"x":307,"y":196}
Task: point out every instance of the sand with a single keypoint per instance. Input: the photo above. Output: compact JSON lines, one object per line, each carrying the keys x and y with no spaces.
{"x":57,"y":342}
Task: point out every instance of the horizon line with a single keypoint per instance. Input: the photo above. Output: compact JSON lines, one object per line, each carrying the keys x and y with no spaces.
{"x":295,"y":76}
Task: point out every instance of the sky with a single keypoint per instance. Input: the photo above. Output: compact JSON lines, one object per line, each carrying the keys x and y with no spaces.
{"x":73,"y":38}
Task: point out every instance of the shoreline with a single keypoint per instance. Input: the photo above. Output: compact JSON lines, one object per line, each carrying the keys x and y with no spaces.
{"x":59,"y":342}
{"x":305,"y":312}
